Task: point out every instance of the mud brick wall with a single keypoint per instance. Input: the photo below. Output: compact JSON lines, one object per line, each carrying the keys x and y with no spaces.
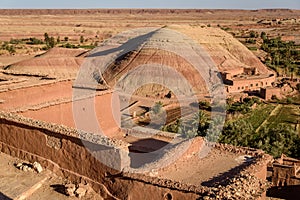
{"x":61,"y":150}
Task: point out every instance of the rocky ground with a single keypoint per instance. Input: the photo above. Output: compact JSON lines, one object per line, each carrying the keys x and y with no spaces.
{"x":24,"y":180}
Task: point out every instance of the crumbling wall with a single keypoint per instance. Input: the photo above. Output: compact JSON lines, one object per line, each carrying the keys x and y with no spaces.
{"x":282,"y":175}
{"x":285,"y":171}
{"x":78,"y":155}
{"x":269,"y":92}
{"x":279,"y":92}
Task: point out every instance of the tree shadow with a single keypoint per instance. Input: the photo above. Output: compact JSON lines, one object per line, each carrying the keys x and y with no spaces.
{"x":146,"y":108}
{"x":59,"y":188}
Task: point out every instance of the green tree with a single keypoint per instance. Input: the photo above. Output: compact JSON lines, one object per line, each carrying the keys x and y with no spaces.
{"x":58,"y":40}
{"x":278,"y":140}
{"x":51,"y":42}
{"x":11,"y":49}
{"x":215,"y":129}
{"x":204,"y":105}
{"x":263,"y":35}
{"x":238,"y":133}
{"x":81,"y":39}
{"x":174,"y":127}
{"x":253,"y":34}
{"x":46,"y":37}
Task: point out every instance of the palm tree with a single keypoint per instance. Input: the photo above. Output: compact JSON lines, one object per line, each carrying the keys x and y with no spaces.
{"x":200,"y":123}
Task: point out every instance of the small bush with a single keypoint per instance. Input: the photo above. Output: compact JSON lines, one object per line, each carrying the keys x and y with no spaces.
{"x":157,"y":107}
{"x":298,"y":87}
{"x":34,"y":41}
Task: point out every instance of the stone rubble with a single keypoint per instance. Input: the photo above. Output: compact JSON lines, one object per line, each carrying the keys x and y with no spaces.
{"x":70,"y":189}
{"x":244,"y":186}
{"x":38,"y":167}
{"x":28,"y":167}
{"x":78,"y":190}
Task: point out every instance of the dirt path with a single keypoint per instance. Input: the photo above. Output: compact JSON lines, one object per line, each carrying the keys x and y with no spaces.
{"x":274,"y":112}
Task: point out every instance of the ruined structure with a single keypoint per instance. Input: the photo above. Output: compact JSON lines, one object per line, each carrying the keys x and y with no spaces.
{"x":286,"y":171}
{"x":78,"y":156}
{"x":79,"y":136}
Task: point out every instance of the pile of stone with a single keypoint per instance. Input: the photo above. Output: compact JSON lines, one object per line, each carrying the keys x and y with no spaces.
{"x":78,"y":190}
{"x":244,"y":186}
{"x":30,"y":167}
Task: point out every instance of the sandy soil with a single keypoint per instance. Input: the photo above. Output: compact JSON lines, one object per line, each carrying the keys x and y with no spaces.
{"x":8,"y":60}
{"x":15,"y":183}
{"x":192,"y":169}
{"x":212,"y":169}
{"x":57,"y":62}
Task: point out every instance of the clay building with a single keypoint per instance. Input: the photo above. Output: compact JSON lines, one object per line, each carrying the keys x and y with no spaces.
{"x":246,"y":79}
{"x":280,"y":91}
{"x":73,"y":127}
{"x":286,"y":171}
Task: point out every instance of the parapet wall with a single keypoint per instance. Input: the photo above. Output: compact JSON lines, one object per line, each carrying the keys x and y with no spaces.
{"x":259,"y":168}
{"x":17,"y":98}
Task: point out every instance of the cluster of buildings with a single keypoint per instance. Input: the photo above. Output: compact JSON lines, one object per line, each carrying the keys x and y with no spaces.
{"x":248,"y":80}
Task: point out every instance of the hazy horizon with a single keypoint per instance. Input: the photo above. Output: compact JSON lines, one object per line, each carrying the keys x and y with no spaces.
{"x":160,"y":4}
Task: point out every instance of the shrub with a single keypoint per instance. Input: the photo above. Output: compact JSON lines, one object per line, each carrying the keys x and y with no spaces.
{"x":253,"y":34}
{"x":157,"y":107}
{"x":298,"y":87}
{"x":289,"y":100}
{"x":34,"y":41}
{"x":15,"y":41}
{"x":81,"y":39}
{"x":251,"y":41}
